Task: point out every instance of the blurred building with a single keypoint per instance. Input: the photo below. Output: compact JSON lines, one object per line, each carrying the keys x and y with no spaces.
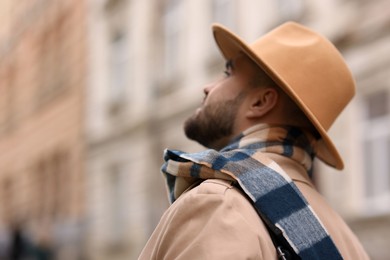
{"x":42,"y":79}
{"x":92,"y":92}
{"x":362,"y":191}
{"x":125,"y":200}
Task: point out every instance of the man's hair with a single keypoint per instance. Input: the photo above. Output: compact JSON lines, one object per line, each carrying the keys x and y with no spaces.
{"x":293,"y":115}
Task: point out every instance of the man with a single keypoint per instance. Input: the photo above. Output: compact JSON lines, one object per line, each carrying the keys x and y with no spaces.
{"x":250,"y":196}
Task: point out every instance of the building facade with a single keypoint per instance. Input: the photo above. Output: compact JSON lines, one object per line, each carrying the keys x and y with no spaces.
{"x":42,"y":79}
{"x":124,"y":201}
{"x":92,"y":92}
{"x":361,"y":192}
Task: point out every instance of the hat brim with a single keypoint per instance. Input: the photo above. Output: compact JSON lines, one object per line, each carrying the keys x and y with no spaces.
{"x":231,"y":46}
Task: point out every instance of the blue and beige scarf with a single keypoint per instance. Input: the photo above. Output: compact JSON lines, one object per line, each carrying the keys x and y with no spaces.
{"x":272,"y":191}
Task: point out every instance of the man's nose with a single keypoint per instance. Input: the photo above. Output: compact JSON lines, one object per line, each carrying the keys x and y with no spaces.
{"x":207,"y":89}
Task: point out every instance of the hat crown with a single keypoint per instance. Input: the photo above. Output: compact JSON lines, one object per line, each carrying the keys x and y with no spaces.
{"x":310,"y":68}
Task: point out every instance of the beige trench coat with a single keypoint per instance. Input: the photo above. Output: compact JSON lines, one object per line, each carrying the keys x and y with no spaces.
{"x":215,"y":221}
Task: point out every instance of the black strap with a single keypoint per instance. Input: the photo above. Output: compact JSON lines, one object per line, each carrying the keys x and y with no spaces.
{"x":283,"y":248}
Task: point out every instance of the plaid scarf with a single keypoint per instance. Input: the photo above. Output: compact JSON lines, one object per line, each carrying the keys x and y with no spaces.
{"x":272,"y":191}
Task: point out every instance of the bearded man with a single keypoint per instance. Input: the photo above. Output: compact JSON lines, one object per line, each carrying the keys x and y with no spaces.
{"x":250,"y":195}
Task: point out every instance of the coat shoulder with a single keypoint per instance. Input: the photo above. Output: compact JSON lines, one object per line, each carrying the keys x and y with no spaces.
{"x":214,"y":186}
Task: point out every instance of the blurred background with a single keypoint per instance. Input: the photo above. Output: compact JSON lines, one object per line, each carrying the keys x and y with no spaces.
{"x":92,"y":91}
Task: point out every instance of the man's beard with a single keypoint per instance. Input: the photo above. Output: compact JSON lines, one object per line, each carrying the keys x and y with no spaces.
{"x":213,"y":123}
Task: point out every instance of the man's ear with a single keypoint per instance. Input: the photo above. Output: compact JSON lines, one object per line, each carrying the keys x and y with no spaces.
{"x":262,"y":101}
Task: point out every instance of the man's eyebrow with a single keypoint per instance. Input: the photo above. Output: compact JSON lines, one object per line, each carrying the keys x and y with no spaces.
{"x":229,"y":64}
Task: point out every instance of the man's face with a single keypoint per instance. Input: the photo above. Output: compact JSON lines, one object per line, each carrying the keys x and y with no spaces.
{"x":214,"y":124}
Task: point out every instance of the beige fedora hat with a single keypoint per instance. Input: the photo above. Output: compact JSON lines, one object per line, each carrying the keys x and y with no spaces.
{"x":307,"y":67}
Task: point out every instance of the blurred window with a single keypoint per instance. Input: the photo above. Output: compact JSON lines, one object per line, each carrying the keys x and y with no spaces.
{"x":377,"y":105}
{"x":61,"y":182}
{"x":51,"y":182}
{"x":53,"y":57}
{"x":7,"y":98}
{"x":173,"y":22}
{"x":40,"y":186}
{"x":377,"y":151}
{"x":224,"y":12}
{"x":8,"y":196}
{"x":116,"y":204}
{"x":118,"y":67}
{"x":119,"y":55}
{"x":291,"y":9}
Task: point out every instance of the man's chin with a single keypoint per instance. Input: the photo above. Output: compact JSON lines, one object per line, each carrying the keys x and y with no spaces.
{"x":192,"y":130}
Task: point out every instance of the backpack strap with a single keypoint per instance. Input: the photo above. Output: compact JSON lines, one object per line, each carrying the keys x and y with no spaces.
{"x":283,"y":249}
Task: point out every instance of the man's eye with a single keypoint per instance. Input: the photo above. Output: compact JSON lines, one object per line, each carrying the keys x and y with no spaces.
{"x":227,"y":73}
